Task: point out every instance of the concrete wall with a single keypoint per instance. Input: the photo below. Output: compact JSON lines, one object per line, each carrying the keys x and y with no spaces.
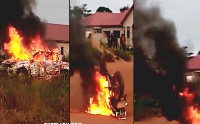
{"x":128,"y":23}
{"x":102,"y":36}
{"x":65,"y":46}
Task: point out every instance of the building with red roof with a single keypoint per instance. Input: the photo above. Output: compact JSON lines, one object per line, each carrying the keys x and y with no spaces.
{"x":193,"y":64}
{"x":118,"y":23}
{"x":193,"y":69}
{"x":58,"y":34}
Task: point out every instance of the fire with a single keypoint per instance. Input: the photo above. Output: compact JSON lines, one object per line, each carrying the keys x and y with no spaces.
{"x":15,"y":46}
{"x":190,"y":113}
{"x":37,"y":50}
{"x":102,"y":105}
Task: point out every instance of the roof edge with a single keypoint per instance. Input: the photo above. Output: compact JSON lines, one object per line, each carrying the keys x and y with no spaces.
{"x":132,"y":8}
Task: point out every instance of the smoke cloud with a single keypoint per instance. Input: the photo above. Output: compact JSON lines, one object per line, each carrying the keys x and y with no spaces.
{"x":81,"y":58}
{"x":19,"y":14}
{"x":159,"y":62}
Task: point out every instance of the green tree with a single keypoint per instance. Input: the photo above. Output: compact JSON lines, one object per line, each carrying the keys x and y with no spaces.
{"x":124,"y":8}
{"x":188,"y":54}
{"x":103,"y":9}
{"x":80,"y":11}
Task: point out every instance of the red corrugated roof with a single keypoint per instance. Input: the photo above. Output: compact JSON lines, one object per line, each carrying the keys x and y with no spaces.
{"x":194,"y":63}
{"x":57,"y":32}
{"x":106,"y":19}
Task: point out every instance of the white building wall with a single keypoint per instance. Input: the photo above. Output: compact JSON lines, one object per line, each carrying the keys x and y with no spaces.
{"x":101,"y":36}
{"x":65,"y":46}
{"x":129,"y":23}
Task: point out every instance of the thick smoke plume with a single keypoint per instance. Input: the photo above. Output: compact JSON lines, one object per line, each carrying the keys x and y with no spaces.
{"x":159,"y":62}
{"x":19,"y":14}
{"x":81,"y":58}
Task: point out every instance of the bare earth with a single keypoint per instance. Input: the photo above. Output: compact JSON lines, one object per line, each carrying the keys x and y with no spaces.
{"x":156,"y":120}
{"x":126,"y":69}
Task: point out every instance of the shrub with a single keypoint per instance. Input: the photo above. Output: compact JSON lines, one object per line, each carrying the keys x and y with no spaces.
{"x":109,"y":57}
{"x":38,"y":102}
{"x":146,"y":107}
{"x":123,"y":55}
{"x":65,"y":58}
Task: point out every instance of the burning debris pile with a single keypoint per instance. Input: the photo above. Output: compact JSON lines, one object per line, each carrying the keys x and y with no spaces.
{"x":159,"y":59}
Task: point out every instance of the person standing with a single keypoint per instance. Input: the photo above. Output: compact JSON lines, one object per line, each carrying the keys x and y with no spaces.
{"x":115,"y":42}
{"x":89,"y":36}
{"x":112,"y":39}
{"x":109,"y":40}
{"x":123,"y":42}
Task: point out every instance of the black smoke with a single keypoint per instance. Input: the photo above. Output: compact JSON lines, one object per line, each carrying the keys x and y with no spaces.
{"x":159,"y":62}
{"x":19,"y":14}
{"x":82,"y":59}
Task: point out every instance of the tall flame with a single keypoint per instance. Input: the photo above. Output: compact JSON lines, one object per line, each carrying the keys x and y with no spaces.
{"x":36,"y":50}
{"x":15,"y":46}
{"x":102,"y":105}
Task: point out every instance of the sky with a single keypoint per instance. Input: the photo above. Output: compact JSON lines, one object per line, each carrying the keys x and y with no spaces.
{"x":113,"y":5}
{"x":186,"y":16}
{"x":53,"y":11}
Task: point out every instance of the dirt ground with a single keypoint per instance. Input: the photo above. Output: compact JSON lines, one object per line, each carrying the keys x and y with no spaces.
{"x":156,"y":120}
{"x":126,"y":68}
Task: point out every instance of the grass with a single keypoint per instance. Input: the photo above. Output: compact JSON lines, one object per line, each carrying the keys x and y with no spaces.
{"x":126,"y":56}
{"x":33,"y":102}
{"x":146,"y":107}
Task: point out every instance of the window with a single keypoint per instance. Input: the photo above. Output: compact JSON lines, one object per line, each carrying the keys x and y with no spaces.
{"x":62,"y":50}
{"x":97,"y":30}
{"x":117,"y":34}
{"x":107,"y":32}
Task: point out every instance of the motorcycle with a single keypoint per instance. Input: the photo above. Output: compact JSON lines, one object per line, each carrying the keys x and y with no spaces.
{"x":118,"y":101}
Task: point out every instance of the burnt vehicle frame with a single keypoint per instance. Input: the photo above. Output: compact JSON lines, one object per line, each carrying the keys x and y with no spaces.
{"x":118,"y":101}
{"x":36,"y":69}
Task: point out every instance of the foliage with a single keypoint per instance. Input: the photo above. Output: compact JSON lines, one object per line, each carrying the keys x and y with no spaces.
{"x":124,"y":8}
{"x":146,"y":107}
{"x":108,"y":57}
{"x":80,"y":11}
{"x":36,"y":102}
{"x":65,"y":58}
{"x":188,"y":54}
{"x":123,"y":55}
{"x":103,"y":9}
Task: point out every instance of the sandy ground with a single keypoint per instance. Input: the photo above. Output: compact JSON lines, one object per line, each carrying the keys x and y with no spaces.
{"x":126,"y":68}
{"x":156,"y":120}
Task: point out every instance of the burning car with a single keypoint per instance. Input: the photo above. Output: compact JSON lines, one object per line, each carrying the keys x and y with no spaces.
{"x":36,"y":60}
{"x":36,"y":68}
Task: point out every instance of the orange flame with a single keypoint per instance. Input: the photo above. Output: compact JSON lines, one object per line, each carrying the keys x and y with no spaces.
{"x":191,"y":113}
{"x":15,"y":46}
{"x":102,"y":106}
{"x":36,"y":50}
